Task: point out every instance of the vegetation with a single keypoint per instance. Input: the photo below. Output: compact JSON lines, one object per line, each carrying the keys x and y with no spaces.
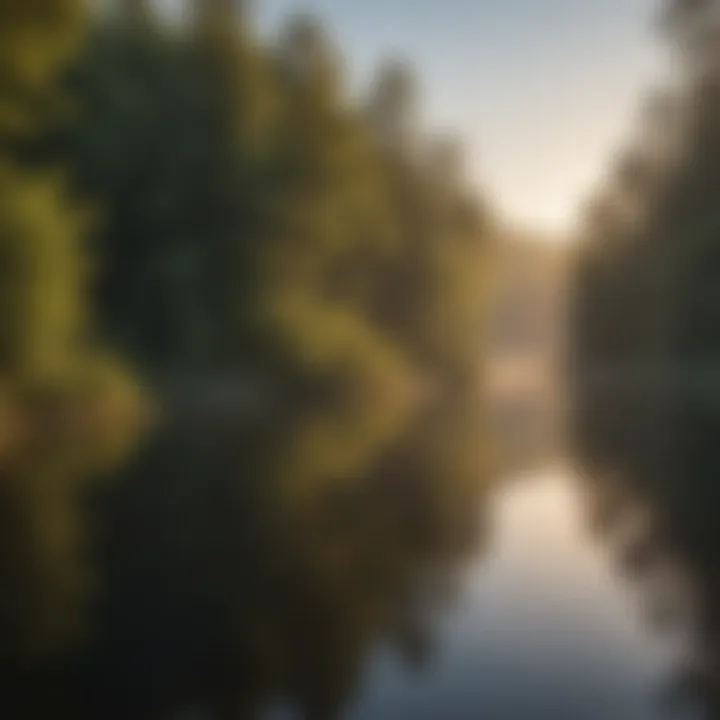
{"x":198,"y":204}
{"x":60,"y":388}
{"x":645,"y":283}
{"x":645,"y":354}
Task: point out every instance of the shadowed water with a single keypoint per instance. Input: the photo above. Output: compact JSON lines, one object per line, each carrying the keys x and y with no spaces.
{"x":237,"y":576}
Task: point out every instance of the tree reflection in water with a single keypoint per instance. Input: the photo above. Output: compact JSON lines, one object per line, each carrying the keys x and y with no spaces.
{"x":225,"y":588}
{"x":652,"y":463}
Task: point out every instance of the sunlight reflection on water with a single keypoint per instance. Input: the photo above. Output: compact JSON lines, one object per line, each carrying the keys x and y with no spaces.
{"x":546,"y":628}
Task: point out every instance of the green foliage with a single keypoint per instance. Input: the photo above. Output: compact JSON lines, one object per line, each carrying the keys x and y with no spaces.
{"x":51,"y":402}
{"x":43,"y":273}
{"x":250,"y":220}
{"x":647,"y":271}
{"x":36,"y":40}
{"x":255,"y":218}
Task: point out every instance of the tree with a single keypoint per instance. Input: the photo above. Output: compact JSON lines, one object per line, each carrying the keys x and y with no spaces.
{"x":47,"y":346}
{"x":36,"y":40}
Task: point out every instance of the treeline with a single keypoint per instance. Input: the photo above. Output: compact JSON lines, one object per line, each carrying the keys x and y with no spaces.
{"x":645,"y":303}
{"x":256,"y":216}
{"x":221,"y":203}
{"x":182,"y":203}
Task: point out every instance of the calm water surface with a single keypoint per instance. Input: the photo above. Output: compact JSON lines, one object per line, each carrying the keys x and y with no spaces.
{"x":544,"y":627}
{"x":308,"y":570}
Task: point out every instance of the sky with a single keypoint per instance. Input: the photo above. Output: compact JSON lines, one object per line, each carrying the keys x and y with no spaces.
{"x":542,"y":92}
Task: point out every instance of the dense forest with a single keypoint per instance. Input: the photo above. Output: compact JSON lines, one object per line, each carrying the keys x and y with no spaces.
{"x":643,"y":309}
{"x":644,"y":302}
{"x":645,"y":343}
{"x":211,"y":249}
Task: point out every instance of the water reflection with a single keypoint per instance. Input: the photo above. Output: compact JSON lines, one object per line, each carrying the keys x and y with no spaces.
{"x":393,"y":571}
{"x":544,"y":627}
{"x":330,"y":560}
{"x":225,"y":587}
{"x":62,"y":440}
{"x":652,"y":461}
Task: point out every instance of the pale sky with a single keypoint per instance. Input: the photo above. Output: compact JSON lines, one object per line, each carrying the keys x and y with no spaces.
{"x":541,"y":91}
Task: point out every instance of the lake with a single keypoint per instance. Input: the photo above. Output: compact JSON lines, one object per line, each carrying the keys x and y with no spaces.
{"x":322,"y":567}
